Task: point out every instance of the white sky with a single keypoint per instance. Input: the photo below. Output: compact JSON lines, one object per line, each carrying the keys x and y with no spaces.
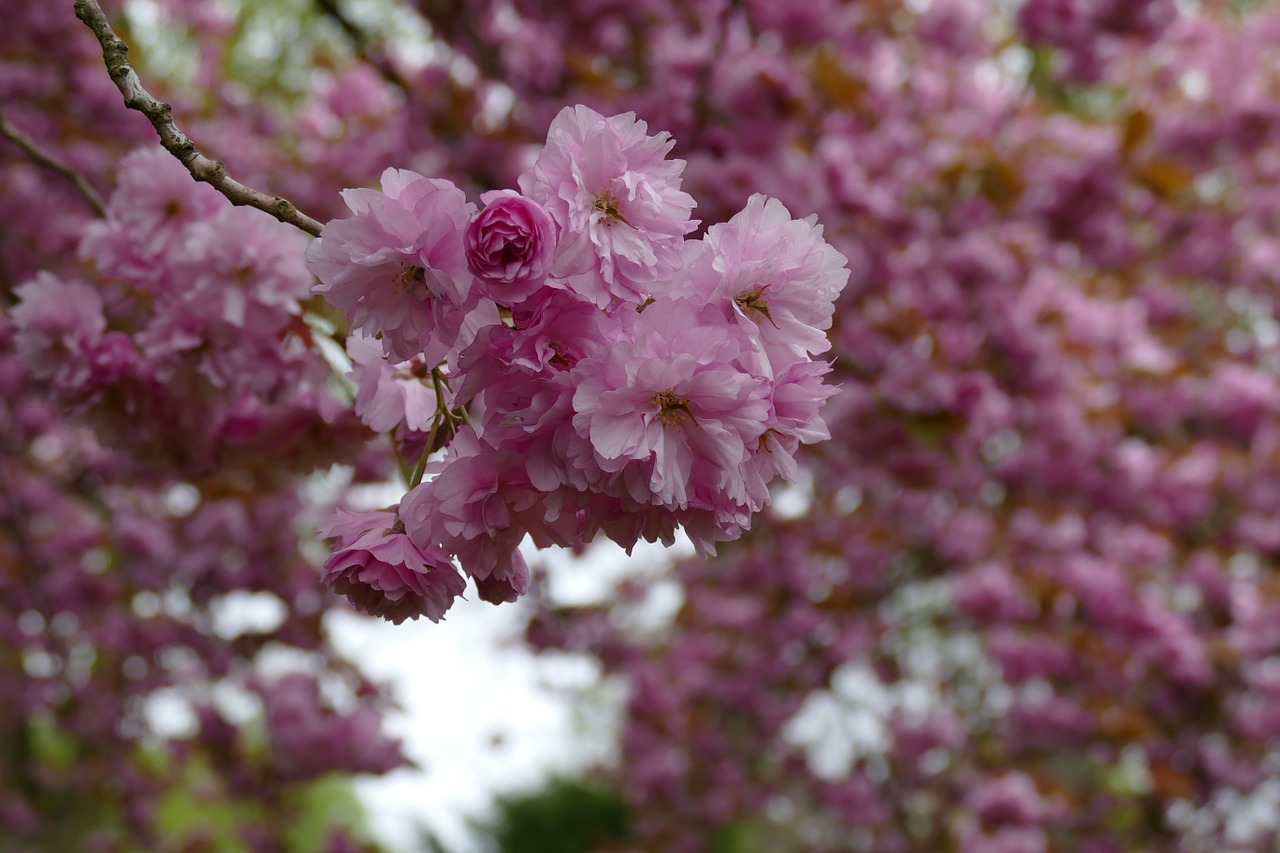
{"x":481,"y":715}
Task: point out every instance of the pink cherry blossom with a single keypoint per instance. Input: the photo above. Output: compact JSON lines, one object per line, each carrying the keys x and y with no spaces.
{"x":510,"y":245}
{"x":670,"y":414}
{"x":156,"y":215}
{"x":390,"y":394}
{"x":59,"y":325}
{"x":383,"y":573}
{"x":397,"y":266}
{"x":617,"y":201}
{"x":773,"y":275}
{"x":477,"y":507}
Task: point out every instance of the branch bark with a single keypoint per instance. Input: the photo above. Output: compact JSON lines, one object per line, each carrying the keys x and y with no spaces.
{"x":116,"y":55}
{"x":49,"y":161}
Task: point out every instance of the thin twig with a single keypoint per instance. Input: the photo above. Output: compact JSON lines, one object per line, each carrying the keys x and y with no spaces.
{"x":49,"y":161}
{"x":415,"y":477}
{"x":450,"y":19}
{"x":439,"y":382}
{"x":702,"y":107}
{"x":116,"y":55}
{"x":360,"y":44}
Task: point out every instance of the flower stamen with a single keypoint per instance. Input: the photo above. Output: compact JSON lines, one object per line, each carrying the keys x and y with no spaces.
{"x":408,"y":276}
{"x":562,"y":359}
{"x":753,"y":304}
{"x":672,"y":410}
{"x":609,"y":204}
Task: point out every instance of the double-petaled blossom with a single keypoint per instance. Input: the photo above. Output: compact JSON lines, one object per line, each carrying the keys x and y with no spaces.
{"x":670,"y":415}
{"x":153,"y":230}
{"x":773,"y":275}
{"x":59,"y":324}
{"x":397,"y":267}
{"x":617,"y":201}
{"x":248,"y":271}
{"x":390,"y":394}
{"x":471,"y":509}
{"x":383,"y":572}
{"x":526,"y":376}
{"x":796,"y":394}
{"x":511,"y":244}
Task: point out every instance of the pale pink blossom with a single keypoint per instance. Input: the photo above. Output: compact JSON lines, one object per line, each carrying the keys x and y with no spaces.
{"x":796,"y":395}
{"x":773,"y":275}
{"x":397,"y":266}
{"x":670,"y":413}
{"x":390,"y":394}
{"x":617,"y":201}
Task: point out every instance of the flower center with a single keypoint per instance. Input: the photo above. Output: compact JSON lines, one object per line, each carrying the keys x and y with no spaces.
{"x":417,"y":369}
{"x":753,"y":304}
{"x":408,"y":276}
{"x":562,"y":359}
{"x":608,"y":204}
{"x":672,"y":410}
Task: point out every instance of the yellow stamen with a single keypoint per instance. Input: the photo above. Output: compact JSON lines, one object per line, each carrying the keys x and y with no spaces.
{"x":608,"y":204}
{"x":753,"y":304}
{"x":672,"y":410}
{"x":408,"y":276}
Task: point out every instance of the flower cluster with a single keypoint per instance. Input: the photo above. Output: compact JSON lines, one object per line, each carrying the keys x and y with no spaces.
{"x":190,"y":349}
{"x":596,"y":370}
{"x":310,"y":737}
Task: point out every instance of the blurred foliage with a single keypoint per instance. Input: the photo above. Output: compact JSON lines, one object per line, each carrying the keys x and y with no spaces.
{"x":200,"y":808}
{"x":273,"y":48}
{"x":564,"y":816}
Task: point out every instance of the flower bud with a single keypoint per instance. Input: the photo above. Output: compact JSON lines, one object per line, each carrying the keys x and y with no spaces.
{"x":510,"y":245}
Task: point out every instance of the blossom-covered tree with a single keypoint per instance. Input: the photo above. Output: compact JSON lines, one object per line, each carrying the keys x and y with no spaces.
{"x":1022,"y":600}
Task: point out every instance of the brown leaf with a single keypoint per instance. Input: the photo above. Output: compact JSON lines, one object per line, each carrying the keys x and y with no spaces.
{"x":1001,"y":183}
{"x":1137,"y":127}
{"x":833,"y":83}
{"x":1163,"y":176}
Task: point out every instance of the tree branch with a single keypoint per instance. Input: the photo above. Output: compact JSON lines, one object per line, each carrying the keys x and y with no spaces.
{"x":360,"y":44}
{"x":116,"y":55}
{"x":450,"y":20}
{"x":49,"y":161}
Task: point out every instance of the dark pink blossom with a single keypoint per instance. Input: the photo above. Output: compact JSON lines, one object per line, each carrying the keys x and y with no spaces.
{"x":511,"y":244}
{"x":383,"y":573}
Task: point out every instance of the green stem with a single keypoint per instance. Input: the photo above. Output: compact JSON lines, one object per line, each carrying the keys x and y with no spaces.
{"x":415,"y":478}
{"x":439,"y":382}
